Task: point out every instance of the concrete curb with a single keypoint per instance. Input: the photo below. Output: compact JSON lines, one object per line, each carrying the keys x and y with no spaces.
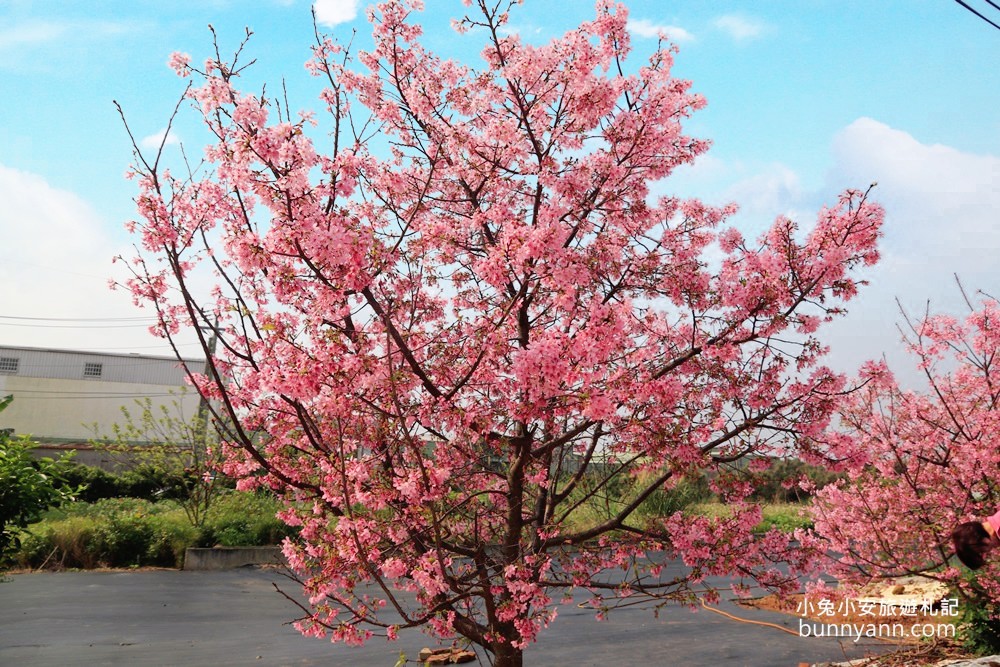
{"x":227,"y":558}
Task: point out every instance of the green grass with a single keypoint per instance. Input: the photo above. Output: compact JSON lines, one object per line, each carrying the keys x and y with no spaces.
{"x":691,"y":497}
{"x":784,"y":516}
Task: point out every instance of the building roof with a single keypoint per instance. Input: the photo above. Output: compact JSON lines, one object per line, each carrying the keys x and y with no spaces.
{"x":37,"y":362}
{"x":127,"y":355}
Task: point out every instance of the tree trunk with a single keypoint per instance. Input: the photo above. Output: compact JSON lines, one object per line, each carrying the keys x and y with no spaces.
{"x":505,"y":655}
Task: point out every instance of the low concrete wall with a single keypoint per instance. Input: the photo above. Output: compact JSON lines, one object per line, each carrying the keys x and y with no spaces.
{"x":226,"y":558}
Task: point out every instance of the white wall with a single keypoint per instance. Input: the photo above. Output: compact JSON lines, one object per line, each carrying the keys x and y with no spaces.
{"x":58,"y":409}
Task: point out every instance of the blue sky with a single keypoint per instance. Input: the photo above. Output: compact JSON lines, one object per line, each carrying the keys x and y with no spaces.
{"x":805,"y":97}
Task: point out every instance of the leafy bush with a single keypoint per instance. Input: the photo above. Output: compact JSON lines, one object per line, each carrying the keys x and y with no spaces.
{"x":27,"y":487}
{"x":107,"y":508}
{"x":980,"y":626}
{"x":132,"y":540}
{"x":109,"y":533}
{"x":130,"y":532}
{"x":146,"y":481}
{"x":65,"y":545}
{"x":244,"y":519}
{"x":786,"y":517}
{"x":94,"y":483}
{"x":599,"y":497}
{"x":664,"y":502}
{"x":779,"y":483}
{"x":153,"y":483}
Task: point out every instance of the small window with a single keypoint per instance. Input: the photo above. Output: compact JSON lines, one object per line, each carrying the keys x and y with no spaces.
{"x":92,"y":370}
{"x":9,"y":365}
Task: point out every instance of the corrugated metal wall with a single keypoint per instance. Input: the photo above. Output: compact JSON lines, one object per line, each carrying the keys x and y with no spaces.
{"x":73,"y":365}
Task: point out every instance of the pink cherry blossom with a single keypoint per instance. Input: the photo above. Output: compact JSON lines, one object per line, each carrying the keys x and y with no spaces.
{"x":180,"y":63}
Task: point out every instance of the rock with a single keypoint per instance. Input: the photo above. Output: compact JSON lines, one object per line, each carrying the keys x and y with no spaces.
{"x":444,"y":656}
{"x":905,"y":590}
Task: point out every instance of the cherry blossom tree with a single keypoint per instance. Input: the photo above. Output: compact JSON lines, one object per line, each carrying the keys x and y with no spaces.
{"x":447,"y":327}
{"x":919,"y":461}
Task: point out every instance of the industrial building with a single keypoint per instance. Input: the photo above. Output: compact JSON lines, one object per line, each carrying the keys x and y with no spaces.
{"x":62,"y":396}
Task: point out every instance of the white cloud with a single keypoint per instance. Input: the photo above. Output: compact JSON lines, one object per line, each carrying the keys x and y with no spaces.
{"x":31,"y":34}
{"x":941,"y":220}
{"x":941,"y":202}
{"x":774,"y":190}
{"x":154,"y":140}
{"x":334,"y":12}
{"x":941,"y":211}
{"x":55,"y":262}
{"x":648,"y":29}
{"x":519,"y":30}
{"x":739,"y":27}
{"x":707,"y":171}
{"x":40,"y":33}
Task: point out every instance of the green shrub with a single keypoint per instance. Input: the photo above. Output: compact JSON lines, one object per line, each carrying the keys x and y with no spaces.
{"x":150,"y":483}
{"x":597,"y":497}
{"x":980,"y":626}
{"x":122,"y":540}
{"x":130,"y":532}
{"x":244,"y":519}
{"x":94,"y":483}
{"x":119,"y":532}
{"x":27,"y":487}
{"x":784,"y":516}
{"x":178,"y":455}
{"x":664,"y":502}
{"x":107,"y":508}
{"x":145,"y":481}
{"x":61,"y":544}
{"x":779,"y":483}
